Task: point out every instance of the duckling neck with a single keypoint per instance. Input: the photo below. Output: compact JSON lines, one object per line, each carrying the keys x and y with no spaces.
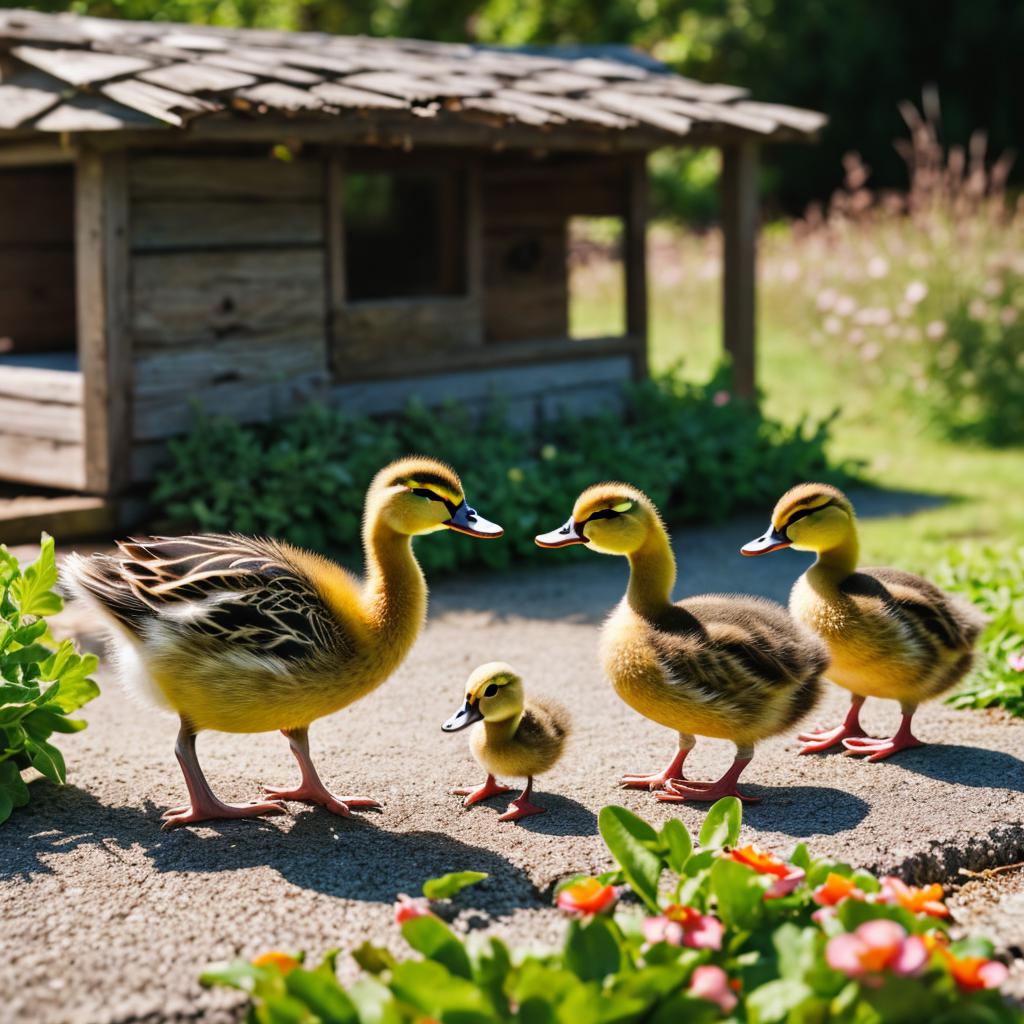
{"x":395,"y":592}
{"x":502,"y":731}
{"x":652,"y":574}
{"x":834,"y":564}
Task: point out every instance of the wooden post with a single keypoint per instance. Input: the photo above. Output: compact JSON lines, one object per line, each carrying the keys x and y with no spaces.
{"x":739,"y":284}
{"x":635,"y":259}
{"x":104,"y":341}
{"x":334,"y":246}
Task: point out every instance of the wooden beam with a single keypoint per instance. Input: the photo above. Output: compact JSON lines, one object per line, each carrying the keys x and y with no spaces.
{"x":739,"y":277}
{"x":635,"y":258}
{"x":104,"y":341}
{"x":334,"y":229}
{"x":36,"y":151}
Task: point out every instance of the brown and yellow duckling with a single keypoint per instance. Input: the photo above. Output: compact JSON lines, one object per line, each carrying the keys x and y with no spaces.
{"x":242,"y":634}
{"x":721,"y":665}
{"x":891,"y":634}
{"x":514,"y":736}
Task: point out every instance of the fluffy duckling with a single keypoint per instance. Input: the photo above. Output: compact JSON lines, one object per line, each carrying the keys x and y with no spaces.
{"x":721,"y":665}
{"x":515,"y":736}
{"x":891,"y":634}
{"x":243,"y":634}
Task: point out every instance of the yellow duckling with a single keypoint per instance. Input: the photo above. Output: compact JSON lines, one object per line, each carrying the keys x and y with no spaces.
{"x":515,"y":736}
{"x":891,"y":634}
{"x":723,"y":665}
{"x":243,"y":634}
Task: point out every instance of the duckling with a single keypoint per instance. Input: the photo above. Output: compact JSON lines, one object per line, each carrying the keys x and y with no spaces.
{"x":516,"y":737}
{"x":721,"y":665}
{"x":244,"y":634}
{"x":891,"y":634}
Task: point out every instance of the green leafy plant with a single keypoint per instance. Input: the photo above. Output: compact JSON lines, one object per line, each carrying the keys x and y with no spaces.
{"x":720,"y":933}
{"x":41,"y":681}
{"x":700,"y":453}
{"x":992,"y":580}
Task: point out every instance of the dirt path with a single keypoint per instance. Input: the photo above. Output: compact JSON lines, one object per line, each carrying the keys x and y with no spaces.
{"x":111,"y":919}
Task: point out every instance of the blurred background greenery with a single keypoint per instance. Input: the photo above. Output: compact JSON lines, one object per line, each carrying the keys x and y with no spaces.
{"x":855,"y":59}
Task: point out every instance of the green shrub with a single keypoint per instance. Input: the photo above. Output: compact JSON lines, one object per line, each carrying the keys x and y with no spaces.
{"x":719,"y":933}
{"x":992,"y":580}
{"x":700,"y":453}
{"x":41,"y":681}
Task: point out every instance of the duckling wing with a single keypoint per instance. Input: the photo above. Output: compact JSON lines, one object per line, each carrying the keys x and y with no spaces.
{"x":233,"y":593}
{"x":926,"y":612}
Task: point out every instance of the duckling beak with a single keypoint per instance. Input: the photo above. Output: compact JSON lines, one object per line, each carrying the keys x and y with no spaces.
{"x":466,"y":715}
{"x":569,"y":533}
{"x":770,"y":540}
{"x":465,"y":520}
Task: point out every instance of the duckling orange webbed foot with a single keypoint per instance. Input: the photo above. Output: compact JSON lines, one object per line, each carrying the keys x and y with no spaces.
{"x":311,"y":789}
{"x":824,"y":739}
{"x":490,"y":788}
{"x":679,"y":792}
{"x":875,"y":749}
{"x":522,"y":806}
{"x":659,"y":780}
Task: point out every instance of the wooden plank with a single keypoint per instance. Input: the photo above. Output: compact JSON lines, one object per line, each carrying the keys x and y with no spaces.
{"x":571,"y":110}
{"x":195,"y":77}
{"x":24,"y":517}
{"x":225,"y":223}
{"x":635,"y":261}
{"x":36,"y":151}
{"x":281,"y":96}
{"x":104,"y":341}
{"x":63,"y":387}
{"x":404,"y":86}
{"x":156,"y":101}
{"x":33,"y":460}
{"x":196,"y":297}
{"x":259,"y":68}
{"x":642,"y":108}
{"x":343,"y":96}
{"x":80,"y":67}
{"x":33,"y":418}
{"x":36,"y":207}
{"x":718,"y":113}
{"x":739,"y":279}
{"x":92,"y":114}
{"x":806,"y":121}
{"x":26,"y":95}
{"x":524,"y":113}
{"x":560,"y":82}
{"x":516,"y":194}
{"x":334,"y":225}
{"x":204,"y":177}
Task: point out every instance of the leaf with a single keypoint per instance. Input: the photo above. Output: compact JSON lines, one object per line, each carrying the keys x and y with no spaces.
{"x":72,"y":695}
{"x":47,"y":760}
{"x":320,"y":991}
{"x":678,"y":844}
{"x":27,"y":655}
{"x":436,"y":941}
{"x":32,"y":592}
{"x":722,"y":825}
{"x":235,"y":974}
{"x":373,"y":959}
{"x":772,"y":1003}
{"x":739,"y":892}
{"x":592,"y":949}
{"x":40,"y":722}
{"x":446,"y":886}
{"x":632,"y":842}
{"x":374,"y":1002}
{"x":13,"y":784}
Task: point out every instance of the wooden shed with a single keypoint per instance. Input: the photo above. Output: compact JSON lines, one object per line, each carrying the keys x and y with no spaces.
{"x":250,"y":219}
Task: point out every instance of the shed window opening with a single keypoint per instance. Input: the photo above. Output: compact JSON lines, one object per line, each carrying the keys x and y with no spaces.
{"x":405,"y":234}
{"x":597,"y":277}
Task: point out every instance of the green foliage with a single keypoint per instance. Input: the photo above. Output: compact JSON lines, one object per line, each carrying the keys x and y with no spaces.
{"x":991,"y":579}
{"x":454,"y":882}
{"x":768,"y":966}
{"x":41,"y":681}
{"x":699,"y":452}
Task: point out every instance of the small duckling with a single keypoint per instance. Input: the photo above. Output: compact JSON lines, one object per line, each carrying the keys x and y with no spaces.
{"x":723,"y":665}
{"x":516,"y":736}
{"x":891,"y":634}
{"x":244,"y":634}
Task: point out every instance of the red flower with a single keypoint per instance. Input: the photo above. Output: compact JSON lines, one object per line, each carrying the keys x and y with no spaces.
{"x":685,"y":926}
{"x":924,"y":900}
{"x":765,"y":863}
{"x":407,"y":908}
{"x":972,"y":973}
{"x":586,"y":896}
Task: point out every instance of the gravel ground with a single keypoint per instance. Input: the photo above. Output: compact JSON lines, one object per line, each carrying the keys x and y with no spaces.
{"x":110,"y":919}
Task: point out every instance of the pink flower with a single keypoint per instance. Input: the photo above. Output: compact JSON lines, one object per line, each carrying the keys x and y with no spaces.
{"x":685,"y":926}
{"x":972,"y":973}
{"x":586,"y":897}
{"x":876,"y":948}
{"x":712,"y":983}
{"x":407,"y":907}
{"x":721,"y":398}
{"x":1016,"y":662}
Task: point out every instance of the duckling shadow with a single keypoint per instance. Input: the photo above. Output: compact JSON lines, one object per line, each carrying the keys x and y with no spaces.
{"x":975,"y":767}
{"x":349,"y":858}
{"x":564,"y":817}
{"x":802,"y":811}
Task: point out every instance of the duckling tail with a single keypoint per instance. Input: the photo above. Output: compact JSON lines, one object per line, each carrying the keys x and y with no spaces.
{"x":97,"y":580}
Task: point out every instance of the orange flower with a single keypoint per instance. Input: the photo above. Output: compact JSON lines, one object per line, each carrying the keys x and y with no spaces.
{"x":585,"y":897}
{"x":284,"y":962}
{"x":835,"y":889}
{"x":924,"y":900}
{"x":972,"y":973}
{"x":765,"y":863}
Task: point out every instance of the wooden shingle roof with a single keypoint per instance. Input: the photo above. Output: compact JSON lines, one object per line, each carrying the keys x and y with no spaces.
{"x":66,"y":73}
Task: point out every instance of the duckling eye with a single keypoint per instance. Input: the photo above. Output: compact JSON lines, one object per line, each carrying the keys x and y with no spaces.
{"x":491,"y":690}
{"x":805,"y":512}
{"x":605,"y":513}
{"x":423,"y":492}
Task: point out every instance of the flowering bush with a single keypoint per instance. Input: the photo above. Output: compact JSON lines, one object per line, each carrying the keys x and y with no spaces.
{"x":924,"y":292}
{"x":713,"y":940}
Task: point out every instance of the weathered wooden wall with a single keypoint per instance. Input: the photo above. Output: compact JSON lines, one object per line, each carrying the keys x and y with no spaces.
{"x":37,"y":267}
{"x":228,"y":298}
